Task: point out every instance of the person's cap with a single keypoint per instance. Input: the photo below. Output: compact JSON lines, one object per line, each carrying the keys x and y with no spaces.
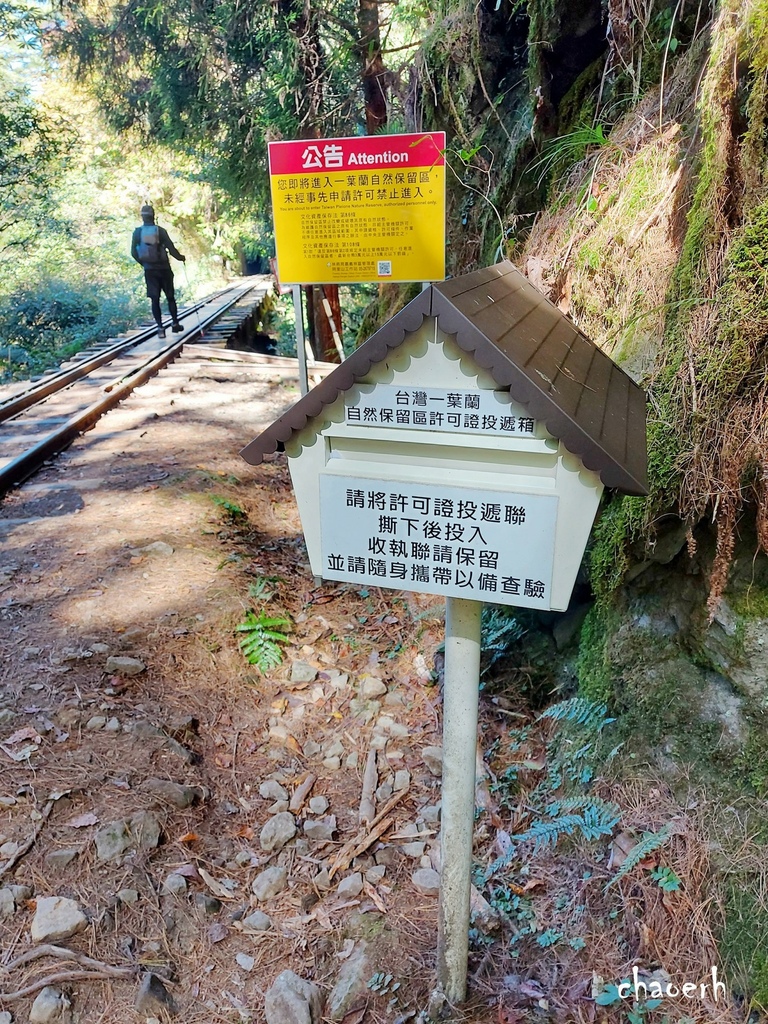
{"x":147,"y":211}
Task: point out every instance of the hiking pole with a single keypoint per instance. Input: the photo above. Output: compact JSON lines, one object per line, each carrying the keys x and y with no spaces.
{"x":197,"y":311}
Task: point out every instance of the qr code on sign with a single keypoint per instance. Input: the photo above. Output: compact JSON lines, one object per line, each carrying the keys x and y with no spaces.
{"x":384,"y":268}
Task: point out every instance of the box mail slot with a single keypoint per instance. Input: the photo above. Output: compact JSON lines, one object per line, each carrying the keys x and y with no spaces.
{"x":447,"y":457}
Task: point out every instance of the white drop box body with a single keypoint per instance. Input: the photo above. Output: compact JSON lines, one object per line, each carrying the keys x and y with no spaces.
{"x":518,"y":469}
{"x":463,"y":449}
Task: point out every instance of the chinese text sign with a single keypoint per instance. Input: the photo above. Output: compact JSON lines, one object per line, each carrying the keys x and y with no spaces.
{"x":482,"y":545}
{"x":369,"y":208}
{"x":460,"y":411}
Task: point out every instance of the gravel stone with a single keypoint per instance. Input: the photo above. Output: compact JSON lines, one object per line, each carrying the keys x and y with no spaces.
{"x":57,"y":860}
{"x":351,"y":886}
{"x":433,"y":759}
{"x":351,"y":983}
{"x":50,"y":1006}
{"x":121,"y":666}
{"x":207,"y":904}
{"x":258,"y":921}
{"x":57,"y":918}
{"x":427,"y":881}
{"x":322,"y":880}
{"x":175,"y":885}
{"x":371,"y":687}
{"x":269,"y":883}
{"x":7,"y":903}
{"x":172,"y":793}
{"x":272,"y":790}
{"x":415,"y":850}
{"x":153,"y":995}
{"x":292,"y":1000}
{"x":277,"y":832}
{"x":320,"y":830}
{"x":431,"y":814}
{"x":112,"y":840}
{"x":302,"y":672}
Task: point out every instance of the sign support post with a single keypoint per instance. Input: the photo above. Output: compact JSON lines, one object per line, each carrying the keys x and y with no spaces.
{"x":301,"y":350}
{"x":461,"y":690}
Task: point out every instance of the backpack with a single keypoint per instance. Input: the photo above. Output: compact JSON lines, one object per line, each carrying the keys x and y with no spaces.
{"x":149,"y":249}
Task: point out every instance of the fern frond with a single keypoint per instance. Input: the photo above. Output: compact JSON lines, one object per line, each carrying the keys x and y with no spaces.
{"x":263,"y":636}
{"x":579,"y":710}
{"x":606,"y":808}
{"x":596,"y":824}
{"x":499,"y":863}
{"x":650,"y":842}
{"x":547,"y":833}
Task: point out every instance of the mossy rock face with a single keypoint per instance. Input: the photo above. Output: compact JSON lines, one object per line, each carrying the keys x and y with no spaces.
{"x":688,"y":691}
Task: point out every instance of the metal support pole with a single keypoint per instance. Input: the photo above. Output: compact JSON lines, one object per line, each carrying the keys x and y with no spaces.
{"x":301,"y":350}
{"x":460,"y":702}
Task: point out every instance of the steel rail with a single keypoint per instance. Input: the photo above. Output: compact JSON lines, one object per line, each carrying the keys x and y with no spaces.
{"x":20,"y":468}
{"x":58,"y":381}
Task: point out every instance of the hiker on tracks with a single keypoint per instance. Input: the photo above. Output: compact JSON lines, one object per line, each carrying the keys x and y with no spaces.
{"x":150,"y":246}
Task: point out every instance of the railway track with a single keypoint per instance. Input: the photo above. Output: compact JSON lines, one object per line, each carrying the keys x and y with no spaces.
{"x":41,"y":419}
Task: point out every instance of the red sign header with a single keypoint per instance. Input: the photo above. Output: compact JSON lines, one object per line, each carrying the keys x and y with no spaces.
{"x":357,"y":153}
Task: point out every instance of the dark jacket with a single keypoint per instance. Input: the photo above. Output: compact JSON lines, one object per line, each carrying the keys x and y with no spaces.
{"x":166,"y":246}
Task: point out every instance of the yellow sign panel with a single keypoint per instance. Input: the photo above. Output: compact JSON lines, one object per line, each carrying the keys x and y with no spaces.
{"x":359,"y":209}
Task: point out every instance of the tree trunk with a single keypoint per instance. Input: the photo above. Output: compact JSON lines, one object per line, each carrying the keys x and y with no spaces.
{"x":375,"y":75}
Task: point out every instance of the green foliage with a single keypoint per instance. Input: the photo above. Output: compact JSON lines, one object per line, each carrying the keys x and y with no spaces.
{"x":33,"y":149}
{"x":231,"y":510}
{"x":593,"y":665}
{"x":561,"y":805}
{"x":666,"y":879}
{"x":576,"y":747}
{"x":597,"y":818}
{"x":43,"y":322}
{"x":383,"y":984}
{"x":262,"y":638}
{"x":650,"y":842}
{"x":561,"y":153}
{"x":223,"y":78}
{"x":499,"y":629}
{"x":588,"y":713}
{"x":619,"y":523}
{"x":262,"y":588}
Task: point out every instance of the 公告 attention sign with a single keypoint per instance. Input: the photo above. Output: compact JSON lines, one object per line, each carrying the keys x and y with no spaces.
{"x":359,"y":209}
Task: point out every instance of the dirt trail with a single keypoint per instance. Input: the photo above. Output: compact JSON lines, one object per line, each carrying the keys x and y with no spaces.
{"x":141,"y":756}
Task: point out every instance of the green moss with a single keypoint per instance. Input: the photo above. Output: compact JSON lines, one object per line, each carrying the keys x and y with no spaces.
{"x":752,"y":603}
{"x":390,"y":300}
{"x":608,"y":555}
{"x":578,"y":104}
{"x":743,"y":939}
{"x":593,"y":667}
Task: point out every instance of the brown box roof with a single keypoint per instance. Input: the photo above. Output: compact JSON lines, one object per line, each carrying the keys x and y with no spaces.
{"x":529,"y":347}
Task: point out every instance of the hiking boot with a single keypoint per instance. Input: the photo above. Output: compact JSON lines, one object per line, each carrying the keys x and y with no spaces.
{"x":177,"y":328}
{"x":161,"y":332}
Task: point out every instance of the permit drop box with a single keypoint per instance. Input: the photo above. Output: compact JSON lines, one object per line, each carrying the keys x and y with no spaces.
{"x":463,"y":449}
